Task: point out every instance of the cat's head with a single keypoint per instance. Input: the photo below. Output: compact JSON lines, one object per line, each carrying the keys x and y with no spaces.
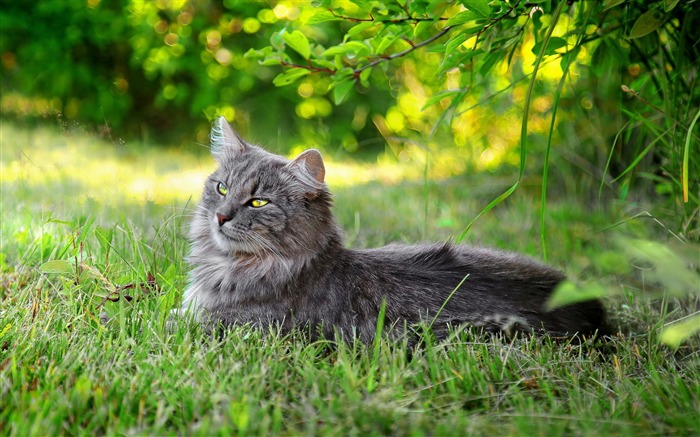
{"x":261,"y":204}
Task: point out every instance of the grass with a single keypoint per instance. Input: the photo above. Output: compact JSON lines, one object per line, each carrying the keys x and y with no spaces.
{"x":114,"y":218}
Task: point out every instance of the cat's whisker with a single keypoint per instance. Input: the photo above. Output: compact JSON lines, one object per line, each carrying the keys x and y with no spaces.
{"x":267,"y":248}
{"x":265,"y":244}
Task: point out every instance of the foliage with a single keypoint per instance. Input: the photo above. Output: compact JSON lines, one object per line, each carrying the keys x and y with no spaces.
{"x":472,"y":42}
{"x":141,"y":69}
{"x":603,"y":90}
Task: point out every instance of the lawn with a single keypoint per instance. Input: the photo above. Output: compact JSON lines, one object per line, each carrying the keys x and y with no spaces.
{"x":95,"y":229}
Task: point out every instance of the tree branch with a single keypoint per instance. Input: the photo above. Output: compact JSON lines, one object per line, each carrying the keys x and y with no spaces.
{"x":309,"y":67}
{"x":438,"y":35}
{"x":416,"y":46}
{"x":390,"y":20}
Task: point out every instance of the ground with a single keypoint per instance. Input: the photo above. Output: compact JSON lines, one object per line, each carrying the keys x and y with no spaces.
{"x":86,"y":223}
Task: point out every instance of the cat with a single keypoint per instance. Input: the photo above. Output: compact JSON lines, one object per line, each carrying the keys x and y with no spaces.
{"x":266,"y":250}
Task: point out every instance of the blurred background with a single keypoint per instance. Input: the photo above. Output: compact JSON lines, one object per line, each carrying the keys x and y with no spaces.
{"x":152,"y":75}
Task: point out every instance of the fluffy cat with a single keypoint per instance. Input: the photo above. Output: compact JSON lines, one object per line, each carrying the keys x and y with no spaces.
{"x":267,"y":250}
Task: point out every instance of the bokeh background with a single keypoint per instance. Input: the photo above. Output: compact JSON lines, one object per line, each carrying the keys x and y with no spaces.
{"x":151,"y":75}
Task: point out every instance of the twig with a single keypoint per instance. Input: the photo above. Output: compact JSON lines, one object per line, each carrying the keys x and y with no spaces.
{"x":309,"y":67}
{"x":438,"y":35}
{"x":114,"y":296}
{"x":414,"y":46}
{"x":390,"y":20}
{"x":631,"y":92}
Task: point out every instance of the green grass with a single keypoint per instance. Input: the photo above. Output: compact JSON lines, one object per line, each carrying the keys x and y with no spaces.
{"x":112,"y":215}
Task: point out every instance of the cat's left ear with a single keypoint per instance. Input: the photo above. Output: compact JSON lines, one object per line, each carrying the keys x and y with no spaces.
{"x":224,"y":140}
{"x":308,"y":166}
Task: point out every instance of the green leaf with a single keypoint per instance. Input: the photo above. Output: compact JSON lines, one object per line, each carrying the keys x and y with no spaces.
{"x":104,"y":237}
{"x":342,"y":89}
{"x":258,"y":54}
{"x":490,"y":60}
{"x":455,"y":42}
{"x":290,"y":76}
{"x":253,"y":54}
{"x":324,"y":63}
{"x":322,"y":17}
{"x":463,"y":17}
{"x":612,"y":262}
{"x":270,"y":61}
{"x":385,"y":43}
{"x":663,"y":266}
{"x":437,"y":97}
{"x":336,"y":50}
{"x":354,"y":47}
{"x":351,"y":47}
{"x":568,"y":293}
{"x":607,"y":56}
{"x":83,"y":225}
{"x":479,"y":6}
{"x":364,"y":76}
{"x":277,"y":40}
{"x":456,"y":59}
{"x":669,"y":5}
{"x":647,"y":23}
{"x":421,"y":29}
{"x":611,"y":4}
{"x":169,"y":276}
{"x":677,"y":332}
{"x":552,"y":46}
{"x":566,"y":57}
{"x":360,"y":28}
{"x":298,"y":41}
{"x":60,"y":222}
{"x":668,"y":267}
{"x":357,"y":48}
{"x":57,"y":266}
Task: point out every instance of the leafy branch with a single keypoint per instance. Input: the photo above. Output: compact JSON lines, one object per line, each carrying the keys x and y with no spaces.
{"x":413,"y":48}
{"x":390,"y":20}
{"x":362,"y":50}
{"x":385,"y":58}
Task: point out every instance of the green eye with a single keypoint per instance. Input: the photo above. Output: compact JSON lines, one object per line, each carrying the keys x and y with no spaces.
{"x":222,"y":189}
{"x":257,"y":203}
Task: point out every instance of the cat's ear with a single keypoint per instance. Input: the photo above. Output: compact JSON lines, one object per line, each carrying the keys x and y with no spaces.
{"x":224,"y":140}
{"x":308,"y":166}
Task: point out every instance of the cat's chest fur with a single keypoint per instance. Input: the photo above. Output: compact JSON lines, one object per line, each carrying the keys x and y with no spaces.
{"x":224,"y":279}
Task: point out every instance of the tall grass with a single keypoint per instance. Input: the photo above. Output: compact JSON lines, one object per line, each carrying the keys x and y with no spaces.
{"x":78,"y":249}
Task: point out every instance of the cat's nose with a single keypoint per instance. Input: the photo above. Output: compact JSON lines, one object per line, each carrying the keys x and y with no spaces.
{"x":222,"y":218}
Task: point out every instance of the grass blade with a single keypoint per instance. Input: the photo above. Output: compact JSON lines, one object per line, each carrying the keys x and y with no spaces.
{"x":488,"y":207}
{"x":524,"y":125}
{"x":531,"y":87}
{"x":371,"y":384}
{"x":442,"y":307}
{"x":686,"y":158}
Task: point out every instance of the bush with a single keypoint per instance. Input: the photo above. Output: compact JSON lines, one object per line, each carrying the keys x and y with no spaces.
{"x":604,"y":91}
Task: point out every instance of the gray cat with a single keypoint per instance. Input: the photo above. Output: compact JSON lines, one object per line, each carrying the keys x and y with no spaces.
{"x":266,"y":250}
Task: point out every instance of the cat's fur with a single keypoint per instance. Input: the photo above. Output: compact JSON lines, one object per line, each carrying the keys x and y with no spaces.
{"x":284,"y":263}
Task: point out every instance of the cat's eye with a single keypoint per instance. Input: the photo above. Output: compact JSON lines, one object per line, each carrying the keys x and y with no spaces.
{"x":222,"y":189}
{"x":257,"y":203}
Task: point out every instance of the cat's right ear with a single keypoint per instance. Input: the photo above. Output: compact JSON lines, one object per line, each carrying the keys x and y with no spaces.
{"x":224,"y":140}
{"x":309,"y":169}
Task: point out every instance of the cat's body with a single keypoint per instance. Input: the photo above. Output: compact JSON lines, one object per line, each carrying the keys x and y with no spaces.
{"x":266,"y":250}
